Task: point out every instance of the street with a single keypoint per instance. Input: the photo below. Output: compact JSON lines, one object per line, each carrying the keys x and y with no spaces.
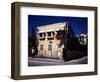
{"x":47,"y":61}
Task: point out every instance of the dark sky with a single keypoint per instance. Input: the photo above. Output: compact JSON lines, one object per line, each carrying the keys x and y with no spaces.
{"x":79,"y":24}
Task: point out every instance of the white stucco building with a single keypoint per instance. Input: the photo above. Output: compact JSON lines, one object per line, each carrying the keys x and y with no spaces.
{"x":50,"y":40}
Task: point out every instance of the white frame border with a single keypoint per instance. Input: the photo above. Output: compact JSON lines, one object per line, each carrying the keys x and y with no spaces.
{"x":25,"y":70}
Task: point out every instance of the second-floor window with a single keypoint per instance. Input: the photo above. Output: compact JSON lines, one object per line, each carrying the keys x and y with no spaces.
{"x":41,"y":36}
{"x":60,"y":34}
{"x":50,"y":35}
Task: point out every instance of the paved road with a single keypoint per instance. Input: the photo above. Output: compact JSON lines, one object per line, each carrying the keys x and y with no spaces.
{"x":46,"y":61}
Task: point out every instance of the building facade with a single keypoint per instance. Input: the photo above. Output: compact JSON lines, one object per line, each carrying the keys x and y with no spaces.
{"x":51,"y":40}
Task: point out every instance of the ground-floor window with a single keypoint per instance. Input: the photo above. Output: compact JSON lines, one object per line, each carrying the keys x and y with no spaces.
{"x":49,"y":47}
{"x":41,"y":47}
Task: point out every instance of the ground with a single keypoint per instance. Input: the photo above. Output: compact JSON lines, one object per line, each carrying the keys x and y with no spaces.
{"x":46,"y":61}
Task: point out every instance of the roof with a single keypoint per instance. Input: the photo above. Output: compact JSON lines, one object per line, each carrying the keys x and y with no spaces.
{"x":52,"y":27}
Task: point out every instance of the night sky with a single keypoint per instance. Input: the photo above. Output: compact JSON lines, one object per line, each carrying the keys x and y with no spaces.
{"x":79,"y":24}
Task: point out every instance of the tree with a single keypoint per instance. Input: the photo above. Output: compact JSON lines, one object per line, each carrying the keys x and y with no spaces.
{"x":71,"y":42}
{"x":32,"y":43}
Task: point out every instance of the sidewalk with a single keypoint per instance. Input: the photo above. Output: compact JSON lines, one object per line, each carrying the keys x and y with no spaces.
{"x":48,"y":61}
